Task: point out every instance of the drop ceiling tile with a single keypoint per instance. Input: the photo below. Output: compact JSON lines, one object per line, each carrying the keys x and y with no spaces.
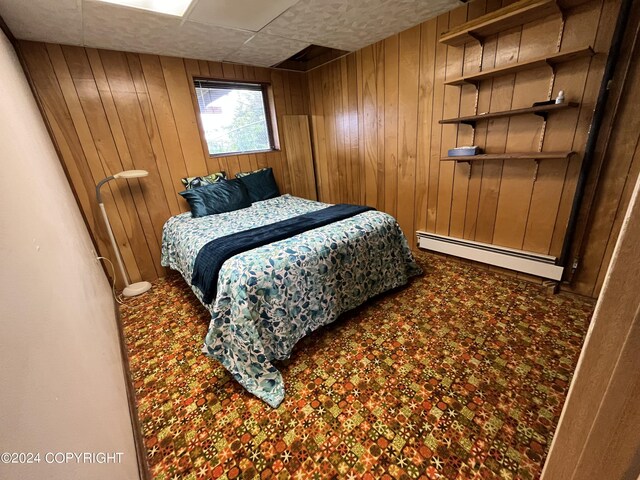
{"x":209,"y":42}
{"x":132,"y":30}
{"x":44,"y":20}
{"x":266,"y":50}
{"x":121,"y":28}
{"x":243,"y":14}
{"x":341,"y":24}
{"x":349,"y":24}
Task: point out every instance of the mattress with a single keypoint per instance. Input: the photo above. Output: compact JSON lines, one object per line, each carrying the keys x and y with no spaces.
{"x":270,"y":297}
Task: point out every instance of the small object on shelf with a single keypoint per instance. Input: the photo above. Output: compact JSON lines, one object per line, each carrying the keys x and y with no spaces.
{"x":546,"y":102}
{"x":464,"y":151}
{"x":560,"y":97}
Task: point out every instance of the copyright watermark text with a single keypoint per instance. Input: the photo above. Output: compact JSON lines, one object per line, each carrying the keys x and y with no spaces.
{"x":26,"y":458}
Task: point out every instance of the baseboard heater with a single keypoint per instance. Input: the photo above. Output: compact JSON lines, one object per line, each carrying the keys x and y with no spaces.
{"x":518,"y":260}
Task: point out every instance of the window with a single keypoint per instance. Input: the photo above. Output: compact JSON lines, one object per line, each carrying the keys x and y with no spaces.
{"x":235,"y":116}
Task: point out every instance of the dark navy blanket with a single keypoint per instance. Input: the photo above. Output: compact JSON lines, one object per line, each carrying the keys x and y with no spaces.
{"x":211,"y":257}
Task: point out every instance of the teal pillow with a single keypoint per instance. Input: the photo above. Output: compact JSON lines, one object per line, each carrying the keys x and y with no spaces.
{"x":261,"y":184}
{"x":196,"y":182}
{"x":218,"y":197}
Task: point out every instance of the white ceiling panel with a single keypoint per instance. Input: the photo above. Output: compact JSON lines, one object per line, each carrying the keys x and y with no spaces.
{"x":147,"y":32}
{"x":44,"y":20}
{"x":350,"y":25}
{"x":243,"y":14}
{"x":129,"y":29}
{"x":266,"y":50}
{"x":208,"y":42}
{"x":255,"y":32}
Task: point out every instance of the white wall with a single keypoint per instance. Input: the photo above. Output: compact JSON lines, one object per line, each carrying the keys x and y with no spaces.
{"x":62,"y":387}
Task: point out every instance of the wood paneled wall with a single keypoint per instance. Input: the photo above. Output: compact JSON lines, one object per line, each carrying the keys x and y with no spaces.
{"x":616,"y":167}
{"x":297,"y":137}
{"x":110,"y":111}
{"x":377,"y":138}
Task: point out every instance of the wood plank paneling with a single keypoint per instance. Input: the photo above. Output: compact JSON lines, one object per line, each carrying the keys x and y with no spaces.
{"x":152,"y":208}
{"x":500,"y":99}
{"x":620,"y":167}
{"x":370,"y":121}
{"x":440,"y":59}
{"x":297,"y":138}
{"x":516,"y":204}
{"x":391,"y":80}
{"x":598,"y":434}
{"x":409,"y":55}
{"x":425,"y":115}
{"x":448,"y":136}
{"x":463,"y":173}
{"x":110,"y":111}
{"x":523,"y":136}
{"x":547,"y":194}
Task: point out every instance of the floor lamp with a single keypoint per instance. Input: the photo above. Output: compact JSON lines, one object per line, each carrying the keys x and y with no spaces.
{"x":131,"y":289}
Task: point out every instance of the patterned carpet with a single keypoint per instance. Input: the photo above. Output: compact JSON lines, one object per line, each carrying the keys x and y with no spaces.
{"x":462,"y":374}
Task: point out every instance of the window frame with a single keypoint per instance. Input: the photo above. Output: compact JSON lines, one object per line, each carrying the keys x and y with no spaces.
{"x":268,"y":104}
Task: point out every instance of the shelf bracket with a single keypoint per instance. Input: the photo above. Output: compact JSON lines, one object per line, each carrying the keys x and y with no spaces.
{"x":471,"y":123}
{"x":542,"y":114}
{"x":477,"y":38}
{"x":543,"y":131}
{"x":552,"y":65}
{"x":561,"y":32}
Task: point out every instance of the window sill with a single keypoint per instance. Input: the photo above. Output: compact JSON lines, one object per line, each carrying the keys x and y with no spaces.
{"x":235,"y":154}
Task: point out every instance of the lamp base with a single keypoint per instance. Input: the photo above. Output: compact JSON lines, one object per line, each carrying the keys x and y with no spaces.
{"x":136,"y":289}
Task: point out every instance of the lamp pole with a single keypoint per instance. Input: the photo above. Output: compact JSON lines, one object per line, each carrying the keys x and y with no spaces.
{"x":131,"y":289}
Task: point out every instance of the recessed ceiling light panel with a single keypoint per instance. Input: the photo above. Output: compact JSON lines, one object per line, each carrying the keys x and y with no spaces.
{"x":169,"y":7}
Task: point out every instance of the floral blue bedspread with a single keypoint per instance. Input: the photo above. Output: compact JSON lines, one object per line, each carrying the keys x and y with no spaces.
{"x":270,"y":297}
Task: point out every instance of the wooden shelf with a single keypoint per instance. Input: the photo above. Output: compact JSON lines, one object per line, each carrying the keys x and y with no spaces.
{"x":517,"y":13}
{"x":551,"y":60}
{"x":508,"y":156}
{"x":541,"y":110}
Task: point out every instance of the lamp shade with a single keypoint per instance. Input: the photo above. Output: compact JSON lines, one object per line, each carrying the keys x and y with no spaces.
{"x":131,"y":174}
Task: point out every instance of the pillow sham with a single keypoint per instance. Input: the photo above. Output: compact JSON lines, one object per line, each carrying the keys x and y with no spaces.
{"x":196,"y":182}
{"x":244,"y":174}
{"x":261,"y":184}
{"x":218,"y":197}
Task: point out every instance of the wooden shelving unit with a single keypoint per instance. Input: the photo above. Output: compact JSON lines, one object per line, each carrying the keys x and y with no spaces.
{"x":510,"y":16}
{"x":518,"y":13}
{"x":541,"y":110}
{"x":550,"y":60}
{"x":508,"y":156}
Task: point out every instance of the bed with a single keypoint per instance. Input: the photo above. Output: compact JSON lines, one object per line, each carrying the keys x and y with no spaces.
{"x":270,"y":297}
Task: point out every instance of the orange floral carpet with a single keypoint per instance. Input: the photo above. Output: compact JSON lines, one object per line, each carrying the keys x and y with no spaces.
{"x":460,"y":375}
